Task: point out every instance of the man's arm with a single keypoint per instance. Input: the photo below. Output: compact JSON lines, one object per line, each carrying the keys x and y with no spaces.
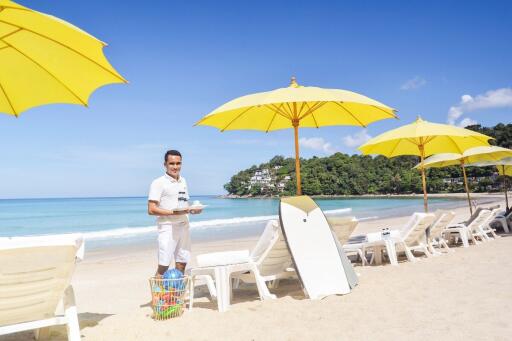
{"x":153,"y":209}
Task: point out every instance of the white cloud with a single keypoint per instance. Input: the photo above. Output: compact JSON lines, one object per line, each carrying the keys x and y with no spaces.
{"x":466,"y":122}
{"x":357,"y":139}
{"x":414,"y":83}
{"x":499,"y":98}
{"x":317,"y":143}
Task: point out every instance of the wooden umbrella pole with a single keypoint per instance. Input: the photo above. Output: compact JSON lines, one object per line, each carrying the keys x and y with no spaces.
{"x":423,"y":180}
{"x":467,"y":187}
{"x":505,"y":187}
{"x":297,"y":158}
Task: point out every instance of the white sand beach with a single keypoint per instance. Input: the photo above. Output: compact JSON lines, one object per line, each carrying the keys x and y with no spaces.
{"x":463,"y":295}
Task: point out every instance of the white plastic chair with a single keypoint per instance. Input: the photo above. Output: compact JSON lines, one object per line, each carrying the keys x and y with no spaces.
{"x":35,"y":290}
{"x":471,"y":231}
{"x":436,"y":236}
{"x":411,"y":237}
{"x":505,"y":221}
{"x":343,"y":228}
{"x":268,"y":261}
{"x":486,"y":229}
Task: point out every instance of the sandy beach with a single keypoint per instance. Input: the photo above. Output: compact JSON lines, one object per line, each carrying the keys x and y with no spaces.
{"x":460,"y":295}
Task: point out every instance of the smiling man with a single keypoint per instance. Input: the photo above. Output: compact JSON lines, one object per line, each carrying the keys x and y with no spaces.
{"x":168,"y":200}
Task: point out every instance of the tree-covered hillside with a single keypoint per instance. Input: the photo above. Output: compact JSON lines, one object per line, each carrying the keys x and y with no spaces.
{"x":342,"y":174}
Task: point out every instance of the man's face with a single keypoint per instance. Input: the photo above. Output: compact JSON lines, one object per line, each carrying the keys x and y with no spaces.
{"x":173,"y":166}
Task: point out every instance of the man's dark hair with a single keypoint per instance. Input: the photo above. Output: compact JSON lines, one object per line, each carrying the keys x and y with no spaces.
{"x":171,"y":152}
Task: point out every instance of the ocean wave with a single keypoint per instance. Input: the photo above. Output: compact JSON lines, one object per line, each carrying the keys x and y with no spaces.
{"x":195,"y":225}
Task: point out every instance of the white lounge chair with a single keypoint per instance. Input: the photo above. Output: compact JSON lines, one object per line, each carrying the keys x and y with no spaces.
{"x":343,"y":228}
{"x":436,"y":235}
{"x":505,"y":220}
{"x":486,"y":232}
{"x":471,"y":231}
{"x":411,"y":237}
{"x":268,"y":261}
{"x":35,"y":290}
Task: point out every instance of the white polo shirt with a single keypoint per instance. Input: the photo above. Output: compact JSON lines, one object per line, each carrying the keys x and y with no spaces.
{"x":170,"y":194}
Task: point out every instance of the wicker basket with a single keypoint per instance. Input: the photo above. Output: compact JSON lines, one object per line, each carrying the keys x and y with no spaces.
{"x":168,"y":297}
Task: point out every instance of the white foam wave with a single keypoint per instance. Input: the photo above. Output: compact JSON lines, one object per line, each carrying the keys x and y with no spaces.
{"x":196,"y":225}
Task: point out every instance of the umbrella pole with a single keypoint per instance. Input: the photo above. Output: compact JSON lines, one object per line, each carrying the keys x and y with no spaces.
{"x":505,"y":187}
{"x":423,"y":180}
{"x":297,"y":158}
{"x":467,"y":187}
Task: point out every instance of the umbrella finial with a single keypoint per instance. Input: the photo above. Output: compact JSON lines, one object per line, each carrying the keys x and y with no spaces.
{"x":293,"y":83}
{"x":418,"y":118}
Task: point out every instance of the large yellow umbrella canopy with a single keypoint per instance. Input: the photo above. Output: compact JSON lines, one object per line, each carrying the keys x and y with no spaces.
{"x":422,"y":138}
{"x":472,"y":155}
{"x":297,"y":106}
{"x":46,"y":60}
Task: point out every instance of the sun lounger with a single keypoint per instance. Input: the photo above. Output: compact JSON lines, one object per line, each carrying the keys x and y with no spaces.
{"x":343,"y":228}
{"x":471,"y":231}
{"x":268,"y":261}
{"x":35,"y":290}
{"x":477,"y":212}
{"x":505,"y":220}
{"x":486,"y":230}
{"x":436,"y":235}
{"x":411,"y":237}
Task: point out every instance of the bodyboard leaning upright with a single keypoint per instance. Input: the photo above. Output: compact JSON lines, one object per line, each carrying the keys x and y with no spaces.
{"x":313,"y":248}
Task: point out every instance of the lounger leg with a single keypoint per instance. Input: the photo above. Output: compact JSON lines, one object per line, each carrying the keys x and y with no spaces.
{"x":377,"y":254}
{"x":362,"y":256}
{"x":492,"y":231}
{"x":71,"y":315}
{"x":445,"y":245}
{"x":472,"y":236}
{"x":484,"y":235}
{"x":222,"y":285}
{"x":274,"y":284}
{"x":42,"y":334}
{"x":431,"y":247}
{"x":426,"y":251}
{"x":261,"y":285}
{"x":391,"y":250}
{"x":211,"y":287}
{"x":464,"y":237}
{"x":409,"y":254}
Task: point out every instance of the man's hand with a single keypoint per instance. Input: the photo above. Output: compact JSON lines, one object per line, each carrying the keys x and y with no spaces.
{"x":195,"y":210}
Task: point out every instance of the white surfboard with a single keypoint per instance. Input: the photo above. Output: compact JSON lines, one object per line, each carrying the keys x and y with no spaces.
{"x":313,"y":247}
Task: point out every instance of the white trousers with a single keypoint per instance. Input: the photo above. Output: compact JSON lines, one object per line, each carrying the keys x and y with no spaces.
{"x":173,"y":243}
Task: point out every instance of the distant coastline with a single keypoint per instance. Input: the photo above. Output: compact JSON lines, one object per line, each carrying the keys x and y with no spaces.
{"x":376,"y":196}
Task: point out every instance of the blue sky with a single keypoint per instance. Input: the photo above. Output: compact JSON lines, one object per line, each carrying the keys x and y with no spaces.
{"x":184,"y":58}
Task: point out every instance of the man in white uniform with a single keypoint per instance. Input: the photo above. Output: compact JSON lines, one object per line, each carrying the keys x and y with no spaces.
{"x":168,"y":200}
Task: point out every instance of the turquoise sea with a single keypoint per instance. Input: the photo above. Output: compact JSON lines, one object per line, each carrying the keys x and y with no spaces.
{"x":121,"y":220}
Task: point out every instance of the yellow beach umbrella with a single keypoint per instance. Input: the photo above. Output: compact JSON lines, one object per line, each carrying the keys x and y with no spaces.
{"x":46,"y":60}
{"x":297,"y":106}
{"x":472,"y":155}
{"x":422,"y":138}
{"x":504,"y":167}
